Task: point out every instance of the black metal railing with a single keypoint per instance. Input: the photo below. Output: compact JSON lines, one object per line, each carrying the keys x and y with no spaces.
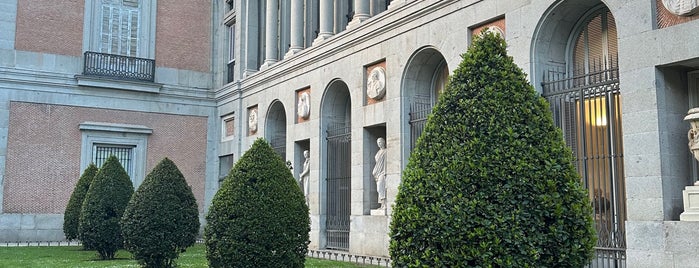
{"x":119,"y":67}
{"x":337,"y":225}
{"x":420,"y":108}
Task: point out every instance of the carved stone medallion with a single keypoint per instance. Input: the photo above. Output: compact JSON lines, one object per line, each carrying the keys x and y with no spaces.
{"x":496,"y":30}
{"x":376,"y":83}
{"x":681,"y":7}
{"x":303,"y":109}
{"x":252,"y":121}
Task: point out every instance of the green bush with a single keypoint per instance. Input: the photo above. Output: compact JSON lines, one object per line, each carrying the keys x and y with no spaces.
{"x":102,"y":208}
{"x":259,"y":217}
{"x":71,"y":216}
{"x":162,"y":218}
{"x":491,"y":182}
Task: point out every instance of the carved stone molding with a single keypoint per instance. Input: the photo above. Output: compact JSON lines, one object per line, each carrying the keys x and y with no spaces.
{"x":252,"y":120}
{"x":303,"y":108}
{"x":681,"y":7}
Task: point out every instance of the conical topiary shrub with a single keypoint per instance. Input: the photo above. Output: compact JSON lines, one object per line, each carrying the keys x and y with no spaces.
{"x":71,"y":217}
{"x":162,"y":218}
{"x":491,"y":182}
{"x":259,"y":217}
{"x":102,"y":208}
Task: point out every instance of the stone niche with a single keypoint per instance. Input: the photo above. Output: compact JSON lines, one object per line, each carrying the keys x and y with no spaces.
{"x":370,"y":148}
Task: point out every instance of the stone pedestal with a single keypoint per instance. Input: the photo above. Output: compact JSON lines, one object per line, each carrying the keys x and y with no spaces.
{"x":690,"y":196}
{"x":378,"y":212}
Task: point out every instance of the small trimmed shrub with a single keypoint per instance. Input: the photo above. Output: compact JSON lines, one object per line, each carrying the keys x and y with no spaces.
{"x":259,"y":217}
{"x":491,"y":182}
{"x":162,"y":218}
{"x":71,"y":217}
{"x":102,"y":208}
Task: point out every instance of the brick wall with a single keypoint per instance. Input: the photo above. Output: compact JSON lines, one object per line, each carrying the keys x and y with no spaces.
{"x":43,"y":152}
{"x":50,"y":26}
{"x":184,"y":35}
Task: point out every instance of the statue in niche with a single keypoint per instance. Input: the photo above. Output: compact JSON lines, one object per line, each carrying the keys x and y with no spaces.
{"x":379,"y":172}
{"x":304,"y":176}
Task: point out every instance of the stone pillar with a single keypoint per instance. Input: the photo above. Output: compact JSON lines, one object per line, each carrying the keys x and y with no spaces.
{"x":272,"y":32}
{"x":296,"y":27}
{"x":362,"y":12}
{"x":327,"y":14}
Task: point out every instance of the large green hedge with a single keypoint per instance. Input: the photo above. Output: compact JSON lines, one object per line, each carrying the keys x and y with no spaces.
{"x":491,"y":182}
{"x":71,"y":217}
{"x":102,"y":208}
{"x":259,"y":217}
{"x":162,"y":218}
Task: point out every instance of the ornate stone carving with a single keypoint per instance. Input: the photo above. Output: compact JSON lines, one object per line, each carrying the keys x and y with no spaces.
{"x":376,"y":83}
{"x":496,"y":30}
{"x":681,"y":7}
{"x":303,"y":108}
{"x":252,"y":120}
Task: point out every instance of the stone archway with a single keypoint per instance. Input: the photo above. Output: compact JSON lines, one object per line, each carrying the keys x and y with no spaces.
{"x":275,"y":128}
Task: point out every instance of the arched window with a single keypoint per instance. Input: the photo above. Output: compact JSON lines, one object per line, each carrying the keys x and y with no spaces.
{"x":585,"y":99}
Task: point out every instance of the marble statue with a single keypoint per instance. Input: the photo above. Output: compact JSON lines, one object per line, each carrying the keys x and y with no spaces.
{"x":379,"y":172}
{"x":304,"y":176}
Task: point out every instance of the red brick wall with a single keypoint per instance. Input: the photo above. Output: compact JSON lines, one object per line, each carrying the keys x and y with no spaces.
{"x":183,"y":38}
{"x":44,"y":144}
{"x":50,"y":26}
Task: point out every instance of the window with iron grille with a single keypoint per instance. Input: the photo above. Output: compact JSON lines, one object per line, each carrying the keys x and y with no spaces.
{"x":100,"y":153}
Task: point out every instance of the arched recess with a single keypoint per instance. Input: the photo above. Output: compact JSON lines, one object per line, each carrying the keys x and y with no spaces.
{"x":575,"y":68}
{"x":335,"y":166}
{"x":275,"y":128}
{"x":425,"y":76}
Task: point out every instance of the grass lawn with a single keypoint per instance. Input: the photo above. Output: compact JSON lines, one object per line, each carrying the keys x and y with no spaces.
{"x":74,"y":256}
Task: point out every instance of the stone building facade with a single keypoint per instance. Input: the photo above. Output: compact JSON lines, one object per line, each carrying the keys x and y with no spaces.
{"x":332,"y":77}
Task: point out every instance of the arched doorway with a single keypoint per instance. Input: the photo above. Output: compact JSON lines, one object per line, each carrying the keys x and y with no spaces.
{"x":575,"y":52}
{"x":336,"y":166}
{"x":425,"y":77}
{"x":275,"y":129}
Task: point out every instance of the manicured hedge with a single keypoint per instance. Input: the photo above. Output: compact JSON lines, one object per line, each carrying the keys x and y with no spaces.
{"x":491,"y":182}
{"x":162,"y":218}
{"x":71,"y":217}
{"x":259,"y":217}
{"x":102,"y":208}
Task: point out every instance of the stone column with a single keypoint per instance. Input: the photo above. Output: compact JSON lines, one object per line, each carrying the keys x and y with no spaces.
{"x":272,"y":32}
{"x":327,"y":14}
{"x":296,"y":27}
{"x":362,"y":12}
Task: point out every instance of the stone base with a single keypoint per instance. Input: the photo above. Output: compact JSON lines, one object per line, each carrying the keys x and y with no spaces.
{"x":378,"y":212}
{"x":690,"y":197}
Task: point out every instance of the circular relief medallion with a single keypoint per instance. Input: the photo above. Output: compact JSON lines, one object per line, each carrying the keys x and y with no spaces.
{"x":303,"y":109}
{"x":496,"y":30}
{"x":681,"y":7}
{"x":376,"y":83}
{"x":252,"y":121}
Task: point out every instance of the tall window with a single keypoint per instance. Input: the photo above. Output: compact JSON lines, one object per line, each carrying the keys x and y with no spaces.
{"x":231,"y":53}
{"x":121,"y":27}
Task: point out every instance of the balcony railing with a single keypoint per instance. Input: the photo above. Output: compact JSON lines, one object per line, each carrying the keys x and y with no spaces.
{"x":119,"y":67}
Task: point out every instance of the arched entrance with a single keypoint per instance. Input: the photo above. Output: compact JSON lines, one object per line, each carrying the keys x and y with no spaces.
{"x":425,"y":76}
{"x":275,"y":129}
{"x":576,"y":67}
{"x":336,"y":166}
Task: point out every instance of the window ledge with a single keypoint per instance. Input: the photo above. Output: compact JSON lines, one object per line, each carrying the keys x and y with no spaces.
{"x":111,"y":127}
{"x":93,"y":81}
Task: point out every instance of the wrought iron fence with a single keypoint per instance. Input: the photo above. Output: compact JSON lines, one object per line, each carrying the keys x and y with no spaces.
{"x":119,"y":67}
{"x":586,"y":105}
{"x":338,"y":187}
{"x":278,"y":143}
{"x":420,"y":107}
{"x":345,"y":257}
